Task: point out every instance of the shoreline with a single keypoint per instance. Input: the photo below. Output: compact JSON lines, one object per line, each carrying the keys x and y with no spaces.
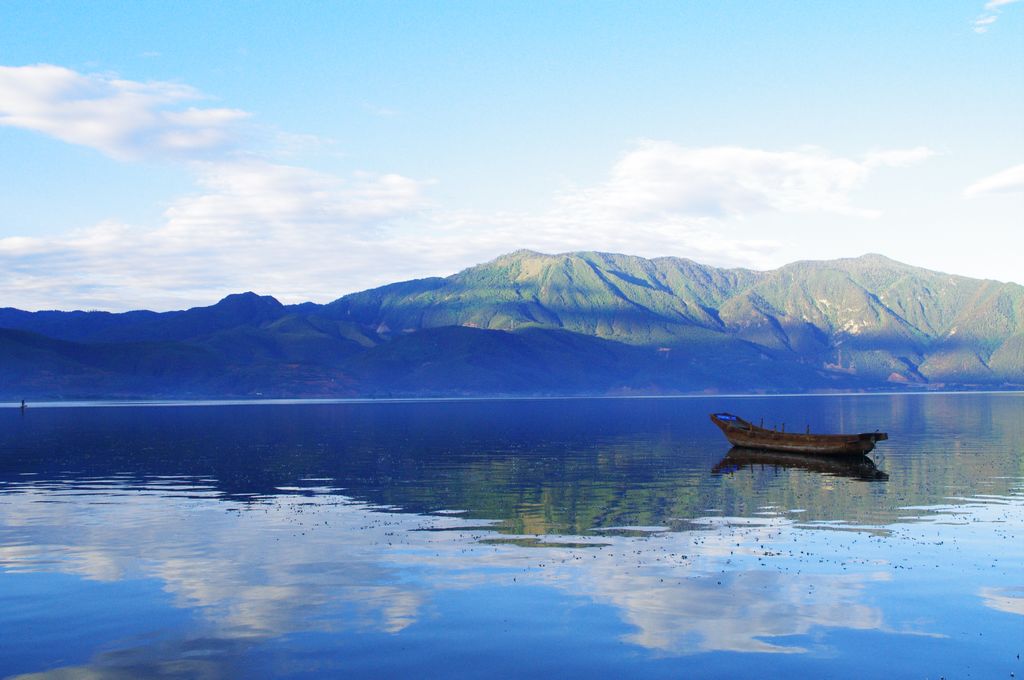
{"x":298,"y":401}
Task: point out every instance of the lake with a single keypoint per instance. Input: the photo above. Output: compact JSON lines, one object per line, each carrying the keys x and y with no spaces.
{"x":466,"y":539}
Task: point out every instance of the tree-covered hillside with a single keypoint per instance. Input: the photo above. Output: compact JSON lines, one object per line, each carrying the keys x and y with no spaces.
{"x":868,"y":316}
{"x":529,"y":323}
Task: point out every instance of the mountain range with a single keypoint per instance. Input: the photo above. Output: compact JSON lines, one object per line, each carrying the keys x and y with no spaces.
{"x":530,"y":323}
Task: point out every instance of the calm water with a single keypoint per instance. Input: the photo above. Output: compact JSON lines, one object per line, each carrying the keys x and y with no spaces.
{"x":568,"y":538}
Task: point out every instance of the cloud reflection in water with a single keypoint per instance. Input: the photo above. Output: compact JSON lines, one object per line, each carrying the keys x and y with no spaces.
{"x":300,"y":562}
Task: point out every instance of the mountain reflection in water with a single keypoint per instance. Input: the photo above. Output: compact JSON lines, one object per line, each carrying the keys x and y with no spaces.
{"x":606,"y":537}
{"x":325,"y":563}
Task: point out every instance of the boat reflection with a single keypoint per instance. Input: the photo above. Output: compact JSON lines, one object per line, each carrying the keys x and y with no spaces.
{"x":854,"y":467}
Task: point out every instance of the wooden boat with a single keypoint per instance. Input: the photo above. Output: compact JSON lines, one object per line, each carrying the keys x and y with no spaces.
{"x":741,"y":433}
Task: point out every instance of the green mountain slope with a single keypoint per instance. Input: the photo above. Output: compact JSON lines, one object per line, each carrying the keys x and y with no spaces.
{"x":616,"y":297}
{"x":868,"y":316}
{"x":529,"y":322}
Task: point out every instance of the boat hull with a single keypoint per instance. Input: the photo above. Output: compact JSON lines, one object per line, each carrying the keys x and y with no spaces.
{"x":743,"y":434}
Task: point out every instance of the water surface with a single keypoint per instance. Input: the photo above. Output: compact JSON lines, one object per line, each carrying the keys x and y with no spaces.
{"x":501,"y":538}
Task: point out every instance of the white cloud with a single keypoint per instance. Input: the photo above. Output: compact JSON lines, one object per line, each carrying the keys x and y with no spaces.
{"x":252,"y":194}
{"x":287,"y":230}
{"x":658,"y":179}
{"x":122,"y":118}
{"x":251,"y":223}
{"x":897,"y":158}
{"x":301,"y":234}
{"x":990,"y":15}
{"x":981,"y":23}
{"x":305,"y":235}
{"x":1010,"y":180}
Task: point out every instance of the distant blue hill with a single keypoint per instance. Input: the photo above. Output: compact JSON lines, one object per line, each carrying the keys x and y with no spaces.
{"x":530,"y":323}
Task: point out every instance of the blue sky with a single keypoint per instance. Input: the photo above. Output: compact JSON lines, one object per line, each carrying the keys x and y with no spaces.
{"x":163,"y":155}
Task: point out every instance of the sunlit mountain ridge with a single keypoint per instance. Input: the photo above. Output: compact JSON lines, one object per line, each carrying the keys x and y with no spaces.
{"x":531,"y":323}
